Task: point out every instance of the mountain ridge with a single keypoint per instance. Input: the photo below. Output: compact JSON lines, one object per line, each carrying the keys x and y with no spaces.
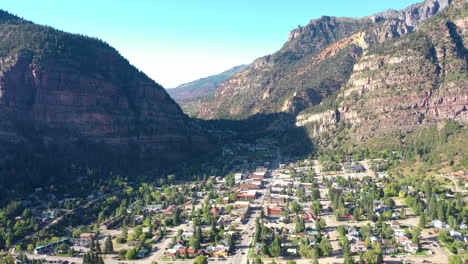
{"x":272,"y":83}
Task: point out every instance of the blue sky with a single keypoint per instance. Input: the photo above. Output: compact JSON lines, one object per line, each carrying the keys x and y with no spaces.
{"x":176,"y":41}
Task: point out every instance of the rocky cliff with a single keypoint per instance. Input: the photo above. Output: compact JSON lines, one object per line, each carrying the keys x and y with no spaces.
{"x":403,"y":84}
{"x":316,"y":62}
{"x":59,"y":87}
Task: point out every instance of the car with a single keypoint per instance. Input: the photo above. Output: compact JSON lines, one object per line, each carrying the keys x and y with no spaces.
{"x":243,"y":253}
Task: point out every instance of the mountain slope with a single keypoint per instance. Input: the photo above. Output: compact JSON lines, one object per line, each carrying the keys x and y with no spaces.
{"x":316,"y":62}
{"x":64,"y":91}
{"x":204,"y":87}
{"x":197,"y":94}
{"x":401,"y":92}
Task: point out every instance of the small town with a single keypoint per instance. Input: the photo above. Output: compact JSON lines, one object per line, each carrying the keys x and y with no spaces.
{"x":268,"y":209}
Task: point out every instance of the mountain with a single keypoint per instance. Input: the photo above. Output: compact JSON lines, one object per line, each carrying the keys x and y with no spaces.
{"x":401,"y":85}
{"x":393,"y":80}
{"x":204,"y":87}
{"x":315,"y":62}
{"x":64,"y":93}
{"x":193,"y":95}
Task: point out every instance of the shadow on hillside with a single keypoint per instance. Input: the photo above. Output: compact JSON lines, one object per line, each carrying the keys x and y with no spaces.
{"x":291,"y":140}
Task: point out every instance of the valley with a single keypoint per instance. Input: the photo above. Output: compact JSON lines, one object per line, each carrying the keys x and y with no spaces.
{"x":349,"y":144}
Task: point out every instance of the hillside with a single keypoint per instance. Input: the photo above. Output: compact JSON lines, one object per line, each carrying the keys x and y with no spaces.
{"x":72,"y":97}
{"x":204,"y":87}
{"x":196,"y":94}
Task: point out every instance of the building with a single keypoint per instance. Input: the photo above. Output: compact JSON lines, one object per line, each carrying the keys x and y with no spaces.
{"x":249,"y":186}
{"x":390,"y":249}
{"x":241,"y":204}
{"x":49,"y":248}
{"x":273,"y":210}
{"x":88,"y":236}
{"x":353,"y":168}
{"x":412,"y":248}
{"x":170,"y":210}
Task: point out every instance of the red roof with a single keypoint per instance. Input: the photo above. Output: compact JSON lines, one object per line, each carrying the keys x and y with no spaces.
{"x":348,"y":217}
{"x":189,"y":250}
{"x":246,"y":195}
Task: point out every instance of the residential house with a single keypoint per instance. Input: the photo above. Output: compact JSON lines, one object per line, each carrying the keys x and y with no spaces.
{"x":395,"y":225}
{"x":403,"y":241}
{"x":439,"y":224}
{"x":170,"y":210}
{"x":357,"y":247}
{"x":390,"y":249}
{"x":399,"y":232}
{"x":412,"y":248}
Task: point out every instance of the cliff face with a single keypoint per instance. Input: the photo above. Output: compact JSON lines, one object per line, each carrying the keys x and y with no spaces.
{"x":58,"y":87}
{"x":316,"y":62}
{"x":404,"y":84}
{"x":285,"y":80}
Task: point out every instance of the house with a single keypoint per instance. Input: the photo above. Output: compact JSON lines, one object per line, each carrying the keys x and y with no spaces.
{"x":390,"y":249}
{"x":463,"y":226}
{"x":187,"y":234}
{"x":170,"y":210}
{"x":357,"y":247}
{"x":395,"y":225}
{"x":88,"y":236}
{"x":346,"y":217}
{"x":412,"y":248}
{"x":403,"y":241}
{"x":399,"y":232}
{"x":439,"y":224}
{"x":215,"y":211}
{"x":225,"y":200}
{"x":457,"y":235}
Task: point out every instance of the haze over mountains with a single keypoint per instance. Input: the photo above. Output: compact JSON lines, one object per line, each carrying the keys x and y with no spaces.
{"x":191,"y":96}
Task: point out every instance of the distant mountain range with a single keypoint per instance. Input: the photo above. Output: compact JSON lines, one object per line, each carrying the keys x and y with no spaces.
{"x":191,"y":96}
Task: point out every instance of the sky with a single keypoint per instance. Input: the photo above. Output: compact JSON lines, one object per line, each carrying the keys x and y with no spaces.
{"x":178,"y":41}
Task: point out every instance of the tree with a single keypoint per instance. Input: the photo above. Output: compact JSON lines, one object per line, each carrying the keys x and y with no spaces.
{"x":300,"y":225}
{"x":131,"y":254}
{"x":108,"y":245}
{"x":455,"y":259}
{"x":201,"y":260}
{"x":389,"y":202}
{"x":275,"y":248}
{"x":422,"y":221}
{"x":403,"y":214}
{"x":231,"y":243}
{"x":171,"y":178}
{"x":325,"y":247}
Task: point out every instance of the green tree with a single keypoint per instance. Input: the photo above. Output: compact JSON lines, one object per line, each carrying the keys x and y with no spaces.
{"x":325,"y":247}
{"x":275,"y":248}
{"x":201,"y":260}
{"x":422,"y":220}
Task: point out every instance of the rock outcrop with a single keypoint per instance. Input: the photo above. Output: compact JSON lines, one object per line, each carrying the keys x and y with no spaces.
{"x":404,"y":84}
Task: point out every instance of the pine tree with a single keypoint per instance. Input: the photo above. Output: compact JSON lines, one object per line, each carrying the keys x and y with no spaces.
{"x":422,"y":221}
